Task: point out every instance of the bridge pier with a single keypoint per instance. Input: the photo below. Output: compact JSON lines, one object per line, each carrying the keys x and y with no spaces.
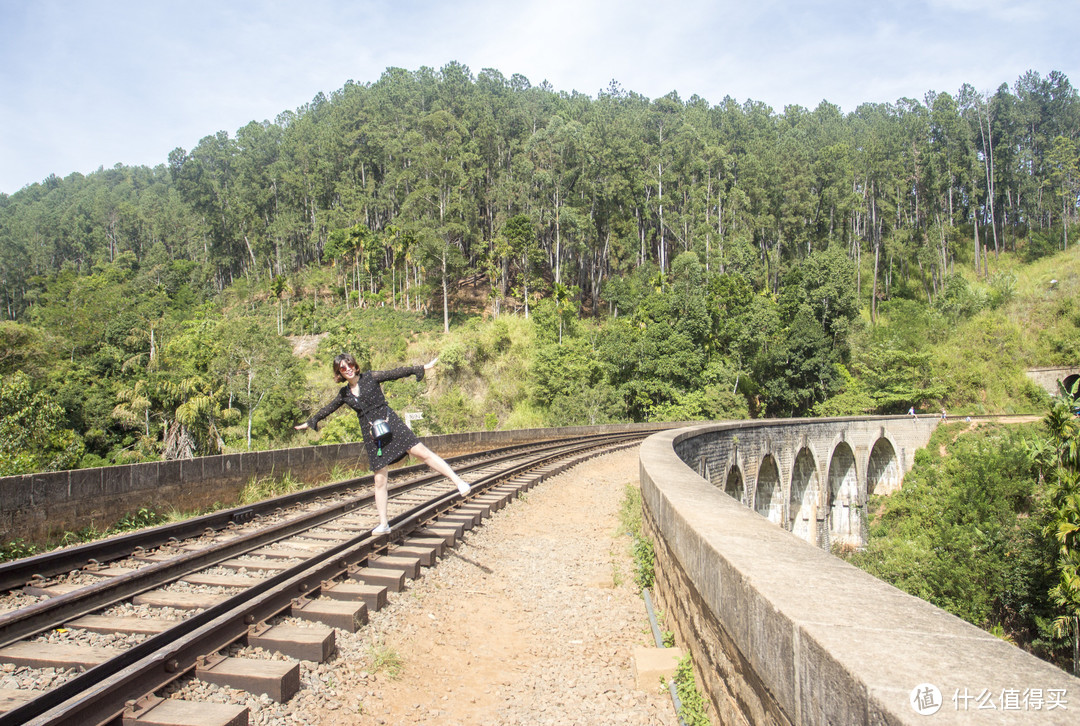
{"x":815,"y":481}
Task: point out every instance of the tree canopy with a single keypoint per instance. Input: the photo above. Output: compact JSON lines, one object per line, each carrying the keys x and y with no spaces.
{"x":678,"y":259}
{"x":434,"y":172}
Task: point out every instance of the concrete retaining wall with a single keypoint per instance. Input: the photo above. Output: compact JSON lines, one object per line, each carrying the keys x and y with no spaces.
{"x":781,"y":632}
{"x":1049,"y":378}
{"x":41,"y":507}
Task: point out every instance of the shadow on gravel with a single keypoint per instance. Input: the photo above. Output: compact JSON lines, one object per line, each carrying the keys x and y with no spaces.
{"x":486,"y":570}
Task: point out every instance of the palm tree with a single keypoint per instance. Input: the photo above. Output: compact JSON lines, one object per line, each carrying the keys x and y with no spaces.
{"x":561,"y":293}
{"x":1064,"y":526}
{"x":196,"y":419}
{"x":143,"y":336}
{"x":134,"y":407}
{"x":278,"y":286}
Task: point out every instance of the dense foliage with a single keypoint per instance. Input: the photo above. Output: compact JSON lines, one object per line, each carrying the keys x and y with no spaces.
{"x":986,"y":527}
{"x":408,"y":181}
{"x":952,"y":533}
{"x":586,"y":259}
{"x":1057,"y":459}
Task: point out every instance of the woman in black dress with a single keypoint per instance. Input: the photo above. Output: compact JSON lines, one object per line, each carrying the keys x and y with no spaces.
{"x":364,"y":395}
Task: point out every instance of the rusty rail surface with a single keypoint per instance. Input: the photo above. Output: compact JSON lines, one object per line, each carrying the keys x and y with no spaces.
{"x":124,"y":684}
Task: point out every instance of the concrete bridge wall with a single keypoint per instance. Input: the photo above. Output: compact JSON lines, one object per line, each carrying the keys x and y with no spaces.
{"x":39,"y":508}
{"x":782,"y":632}
{"x":1049,"y":378}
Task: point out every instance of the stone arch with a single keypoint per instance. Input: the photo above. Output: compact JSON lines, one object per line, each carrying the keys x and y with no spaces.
{"x":1069,"y":381}
{"x":734,"y":486}
{"x":883,"y":468}
{"x":802,"y":503}
{"x":769,"y":499}
{"x":845,"y":510}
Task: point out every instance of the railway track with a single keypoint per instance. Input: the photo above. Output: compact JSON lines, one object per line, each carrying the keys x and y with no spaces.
{"x":112,"y":623}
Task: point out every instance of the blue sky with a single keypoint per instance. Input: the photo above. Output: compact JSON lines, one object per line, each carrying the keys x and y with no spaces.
{"x":91,"y":83}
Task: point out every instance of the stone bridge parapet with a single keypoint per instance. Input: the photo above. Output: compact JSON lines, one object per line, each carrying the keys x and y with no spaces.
{"x":782,"y":632}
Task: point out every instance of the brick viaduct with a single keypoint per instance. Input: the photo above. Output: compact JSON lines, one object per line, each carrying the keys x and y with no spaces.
{"x":742,"y":515}
{"x":830,"y":468}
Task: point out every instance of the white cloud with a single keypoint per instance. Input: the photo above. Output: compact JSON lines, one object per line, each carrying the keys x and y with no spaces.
{"x":1000,"y":10}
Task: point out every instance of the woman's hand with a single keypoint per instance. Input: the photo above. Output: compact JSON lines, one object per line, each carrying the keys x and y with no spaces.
{"x":429,"y":366}
{"x":301,"y":427}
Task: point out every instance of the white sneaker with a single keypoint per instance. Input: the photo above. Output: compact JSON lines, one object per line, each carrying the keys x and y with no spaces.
{"x":381,"y":529}
{"x":464,"y":489}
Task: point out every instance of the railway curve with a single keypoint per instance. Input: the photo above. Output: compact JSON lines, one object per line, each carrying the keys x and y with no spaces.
{"x":224,"y":578}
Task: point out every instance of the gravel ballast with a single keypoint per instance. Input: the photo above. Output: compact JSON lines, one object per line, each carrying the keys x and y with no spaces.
{"x":532,"y":619}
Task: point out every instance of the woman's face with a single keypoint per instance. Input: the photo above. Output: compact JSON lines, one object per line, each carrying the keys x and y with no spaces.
{"x":348,"y":370}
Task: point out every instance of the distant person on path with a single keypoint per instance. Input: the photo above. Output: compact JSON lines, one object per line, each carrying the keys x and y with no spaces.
{"x":944,"y":416}
{"x":363,"y":393}
{"x":911,"y":412}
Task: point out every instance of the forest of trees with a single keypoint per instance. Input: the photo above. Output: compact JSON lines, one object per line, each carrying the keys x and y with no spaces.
{"x":680,"y":260}
{"x":416,"y":177}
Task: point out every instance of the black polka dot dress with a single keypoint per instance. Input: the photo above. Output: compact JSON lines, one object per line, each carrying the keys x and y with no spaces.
{"x":370,"y":404}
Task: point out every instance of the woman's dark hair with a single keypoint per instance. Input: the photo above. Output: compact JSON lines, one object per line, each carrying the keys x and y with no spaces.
{"x":343,"y":358}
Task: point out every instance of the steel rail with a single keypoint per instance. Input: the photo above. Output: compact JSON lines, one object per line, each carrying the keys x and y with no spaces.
{"x":54,"y":611}
{"x":17,"y":573}
{"x":98,"y":695}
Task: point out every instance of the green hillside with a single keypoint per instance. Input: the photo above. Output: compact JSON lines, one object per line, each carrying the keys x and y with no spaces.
{"x":706,"y":346}
{"x":571,"y":259}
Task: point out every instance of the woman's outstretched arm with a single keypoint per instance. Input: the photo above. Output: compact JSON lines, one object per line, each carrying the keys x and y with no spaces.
{"x":322,"y":413}
{"x":403,"y":372}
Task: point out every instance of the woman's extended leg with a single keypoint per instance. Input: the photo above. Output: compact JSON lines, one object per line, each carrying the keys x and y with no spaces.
{"x":381,"y":479}
{"x":437,"y":463}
